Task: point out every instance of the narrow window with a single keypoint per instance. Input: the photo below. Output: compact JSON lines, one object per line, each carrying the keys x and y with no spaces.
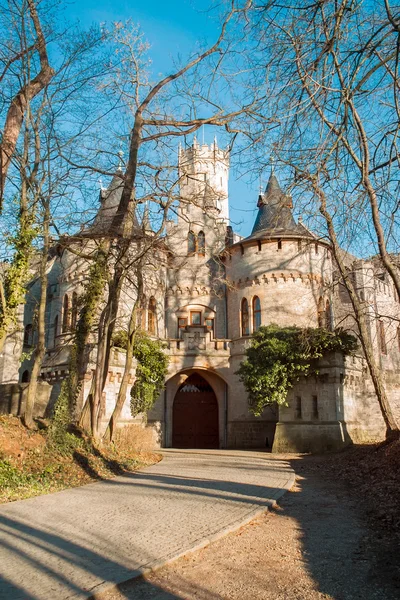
{"x":195,"y":317}
{"x":192,"y":243}
{"x":256,"y":313}
{"x":142,"y":313}
{"x":28,"y":335}
{"x":209,"y":323}
{"x":25,"y":377}
{"x":316,"y":248}
{"x":321,"y":312}
{"x":328,"y":316}
{"x":382,"y":337}
{"x":74,"y":311}
{"x":297,"y":409}
{"x":259,"y":245}
{"x":245,"y":317}
{"x":201,"y":243}
{"x":182,"y":323}
{"x":65,"y":323}
{"x":315,"y":407}
{"x":55,"y":330}
{"x":151,"y":316}
{"x":242,"y":249}
{"x":299,"y":245}
{"x":279,"y":244}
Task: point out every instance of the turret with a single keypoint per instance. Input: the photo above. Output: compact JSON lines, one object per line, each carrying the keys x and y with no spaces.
{"x":203,"y":172}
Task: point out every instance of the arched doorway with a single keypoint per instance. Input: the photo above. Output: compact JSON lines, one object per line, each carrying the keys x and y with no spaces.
{"x":195,"y":415}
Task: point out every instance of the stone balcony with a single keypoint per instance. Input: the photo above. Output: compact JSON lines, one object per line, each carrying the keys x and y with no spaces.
{"x":198,"y":340}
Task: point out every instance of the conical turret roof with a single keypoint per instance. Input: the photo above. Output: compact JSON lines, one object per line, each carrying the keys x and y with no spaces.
{"x":109,"y":202}
{"x":275,"y":217}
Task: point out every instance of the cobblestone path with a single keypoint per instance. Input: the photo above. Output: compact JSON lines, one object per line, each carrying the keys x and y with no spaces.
{"x":76,"y":542}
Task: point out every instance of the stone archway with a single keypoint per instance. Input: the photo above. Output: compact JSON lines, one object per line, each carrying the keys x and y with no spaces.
{"x":195,"y":415}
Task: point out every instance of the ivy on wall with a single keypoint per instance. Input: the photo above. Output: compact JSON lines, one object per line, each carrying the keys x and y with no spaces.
{"x":151,"y":370}
{"x":279,"y":356}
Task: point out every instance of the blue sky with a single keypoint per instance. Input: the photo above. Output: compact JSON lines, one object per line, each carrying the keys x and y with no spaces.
{"x":172,"y":27}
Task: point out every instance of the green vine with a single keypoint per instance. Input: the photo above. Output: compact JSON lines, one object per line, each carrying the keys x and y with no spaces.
{"x":152,"y":364}
{"x":89,"y":302}
{"x":17,"y":273}
{"x":279,"y":356}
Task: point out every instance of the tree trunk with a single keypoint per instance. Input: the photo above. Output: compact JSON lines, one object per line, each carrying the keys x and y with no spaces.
{"x":392,"y":429}
{"x":40,"y":347}
{"x":132,"y":330}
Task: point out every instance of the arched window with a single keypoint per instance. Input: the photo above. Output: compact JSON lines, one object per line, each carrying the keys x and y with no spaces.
{"x":328,"y":316}
{"x":245,"y":317}
{"x":65,"y":322}
{"x":55,"y":330}
{"x":201,"y":243}
{"x":151,"y":316}
{"x":321,"y":312}
{"x":25,"y":377}
{"x":382,"y":337}
{"x":192,"y":243}
{"x":74,"y":311}
{"x":256,"y":313}
{"x":28,"y":335}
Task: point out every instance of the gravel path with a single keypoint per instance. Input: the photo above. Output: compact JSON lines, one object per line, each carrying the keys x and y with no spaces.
{"x":74,"y":543}
{"x":316,"y":545}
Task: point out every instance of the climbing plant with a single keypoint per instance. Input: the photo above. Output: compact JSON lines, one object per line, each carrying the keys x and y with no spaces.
{"x":279,"y":356}
{"x":17,"y":274}
{"x":152,"y":364}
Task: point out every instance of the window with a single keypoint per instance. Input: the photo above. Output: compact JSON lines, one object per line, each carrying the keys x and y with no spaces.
{"x":201,"y":243}
{"x":28,"y":335}
{"x":316,"y":248}
{"x":245,"y":317}
{"x":25,"y":377}
{"x":209,"y":323}
{"x":152,"y":316}
{"x":182,"y":323}
{"x":315,"y":407}
{"x":259,"y":245}
{"x":256,"y":313}
{"x":195,"y":317}
{"x":321,"y":312}
{"x":328,"y":315}
{"x":299,"y":245}
{"x":142,"y":313}
{"x":297,"y":408}
{"x":382,"y":337}
{"x":65,"y":323}
{"x":192,"y":243}
{"x":74,"y":311}
{"x":55,"y":330}
{"x":279,"y":244}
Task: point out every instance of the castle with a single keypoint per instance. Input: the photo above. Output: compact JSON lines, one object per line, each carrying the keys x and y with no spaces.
{"x":206,"y":290}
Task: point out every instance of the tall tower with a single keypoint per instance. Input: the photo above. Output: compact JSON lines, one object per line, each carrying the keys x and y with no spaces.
{"x":203,"y":173}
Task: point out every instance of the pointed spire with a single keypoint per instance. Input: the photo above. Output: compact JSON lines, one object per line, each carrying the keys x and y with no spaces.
{"x":274,"y":209}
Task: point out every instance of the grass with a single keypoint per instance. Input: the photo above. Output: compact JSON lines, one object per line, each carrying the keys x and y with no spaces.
{"x":35,"y":462}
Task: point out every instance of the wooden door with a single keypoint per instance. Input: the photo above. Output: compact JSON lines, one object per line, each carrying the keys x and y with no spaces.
{"x":195,"y":415}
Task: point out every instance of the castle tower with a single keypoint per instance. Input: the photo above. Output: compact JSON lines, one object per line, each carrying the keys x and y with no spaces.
{"x":203,"y":173}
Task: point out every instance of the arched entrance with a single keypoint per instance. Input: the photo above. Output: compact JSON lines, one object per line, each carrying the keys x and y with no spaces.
{"x":195,"y":415}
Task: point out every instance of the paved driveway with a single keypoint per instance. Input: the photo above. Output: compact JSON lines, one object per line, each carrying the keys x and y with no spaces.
{"x":73,"y":543}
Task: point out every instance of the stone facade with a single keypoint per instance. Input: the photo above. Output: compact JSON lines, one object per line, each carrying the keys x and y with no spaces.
{"x":206,"y":291}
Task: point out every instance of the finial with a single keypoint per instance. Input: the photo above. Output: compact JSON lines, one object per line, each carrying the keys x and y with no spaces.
{"x":215,"y":142}
{"x":272,"y":163}
{"x":120,"y":161}
{"x":100,"y":182}
{"x":194,"y":141}
{"x":260,"y":186}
